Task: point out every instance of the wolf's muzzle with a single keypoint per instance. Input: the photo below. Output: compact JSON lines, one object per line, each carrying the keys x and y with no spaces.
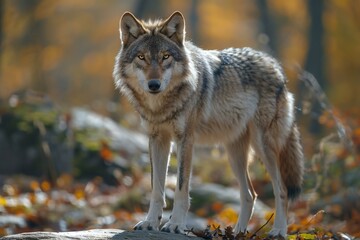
{"x":154,"y":85}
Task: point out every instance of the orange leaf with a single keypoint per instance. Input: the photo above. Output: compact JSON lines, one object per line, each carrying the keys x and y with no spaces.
{"x":34,"y":185}
{"x":106,"y":153}
{"x":217,"y":206}
{"x":229,"y":215}
{"x":79,"y":194}
{"x":201,"y":212}
{"x":65,"y":180}
{"x":45,"y":186}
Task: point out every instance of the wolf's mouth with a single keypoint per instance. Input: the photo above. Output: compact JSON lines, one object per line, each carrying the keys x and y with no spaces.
{"x":154,"y":91}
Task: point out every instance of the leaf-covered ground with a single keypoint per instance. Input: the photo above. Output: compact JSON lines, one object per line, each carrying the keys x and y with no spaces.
{"x":28,"y":204}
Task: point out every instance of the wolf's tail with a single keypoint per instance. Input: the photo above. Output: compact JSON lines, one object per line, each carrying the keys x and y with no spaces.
{"x":292,"y":163}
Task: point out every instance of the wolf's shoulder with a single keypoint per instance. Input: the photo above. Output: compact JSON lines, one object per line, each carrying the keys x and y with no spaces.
{"x":237,"y":57}
{"x":249,"y":60}
{"x":246,"y":55}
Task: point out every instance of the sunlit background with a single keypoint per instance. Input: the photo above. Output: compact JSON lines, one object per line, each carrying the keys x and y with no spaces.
{"x":66,"y":48}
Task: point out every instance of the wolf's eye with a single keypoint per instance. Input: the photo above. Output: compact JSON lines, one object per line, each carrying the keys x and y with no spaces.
{"x":141,"y":57}
{"x":166,"y":56}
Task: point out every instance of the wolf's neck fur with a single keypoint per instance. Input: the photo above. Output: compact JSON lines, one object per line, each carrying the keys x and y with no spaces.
{"x":160,"y":108}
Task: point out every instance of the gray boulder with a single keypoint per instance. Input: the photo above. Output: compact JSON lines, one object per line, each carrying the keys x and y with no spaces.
{"x":97,"y":234}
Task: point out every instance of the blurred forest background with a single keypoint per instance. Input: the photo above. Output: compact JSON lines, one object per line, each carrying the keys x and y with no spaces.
{"x":73,"y":154}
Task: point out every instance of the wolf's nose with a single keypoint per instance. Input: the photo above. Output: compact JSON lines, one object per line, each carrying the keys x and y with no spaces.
{"x":154,"y":85}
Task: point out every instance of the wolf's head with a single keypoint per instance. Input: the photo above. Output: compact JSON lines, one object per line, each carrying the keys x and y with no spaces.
{"x":152,"y":56}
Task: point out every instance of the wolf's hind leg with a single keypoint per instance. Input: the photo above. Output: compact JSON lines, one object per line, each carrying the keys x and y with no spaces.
{"x":269,"y":155}
{"x":159,"y":147}
{"x":238,"y":157}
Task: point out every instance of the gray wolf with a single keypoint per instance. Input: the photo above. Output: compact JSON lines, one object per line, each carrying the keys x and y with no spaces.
{"x":236,"y":97}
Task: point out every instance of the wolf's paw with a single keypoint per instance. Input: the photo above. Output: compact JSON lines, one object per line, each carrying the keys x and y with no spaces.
{"x":239,"y":229}
{"x":173,"y":228}
{"x":147,"y":225}
{"x":278,"y":232}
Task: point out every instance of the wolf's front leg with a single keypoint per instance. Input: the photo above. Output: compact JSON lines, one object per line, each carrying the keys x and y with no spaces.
{"x":159,"y":149}
{"x":176,"y":224}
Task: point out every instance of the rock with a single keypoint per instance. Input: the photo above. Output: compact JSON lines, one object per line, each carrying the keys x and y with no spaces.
{"x":122,"y":139}
{"x":113,"y":234}
{"x":211,"y":192}
{"x":103,"y":147}
{"x":340,"y":206}
{"x":8,"y":220}
{"x":30,"y":146}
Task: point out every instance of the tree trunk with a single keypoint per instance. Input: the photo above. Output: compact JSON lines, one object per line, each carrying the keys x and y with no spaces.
{"x":34,"y":36}
{"x":2,"y":5}
{"x":194,"y":21}
{"x":149,"y":9}
{"x":315,"y":57}
{"x":267,"y":27}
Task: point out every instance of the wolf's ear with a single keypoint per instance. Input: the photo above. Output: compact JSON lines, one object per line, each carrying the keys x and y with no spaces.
{"x":130,"y":28}
{"x":174,"y":28}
